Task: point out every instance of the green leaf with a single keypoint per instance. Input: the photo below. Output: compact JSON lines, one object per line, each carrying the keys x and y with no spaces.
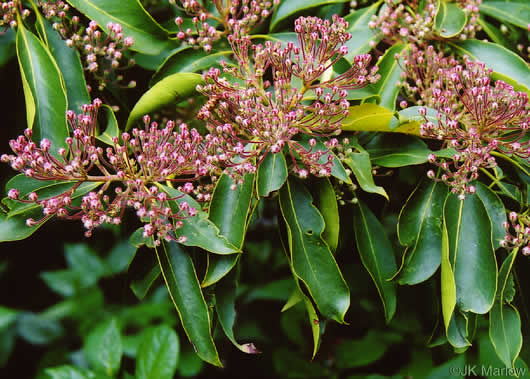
{"x":225,"y":303}
{"x":471,"y":253}
{"x":199,"y":231}
{"x":230,"y":207}
{"x":420,"y":228}
{"x":377,"y":255}
{"x":397,"y":150}
{"x":514,"y":12}
{"x":448,"y":286}
{"x":111,"y":130}
{"x":352,"y":353}
{"x":38,"y":330}
{"x":185,"y":292}
{"x":390,"y":72}
{"x":457,"y":332}
{"x":450,"y":19}
{"x":362,"y":34}
{"x":218,"y":266}
{"x":496,"y":212}
{"x":71,"y":69}
{"x":158,"y":354}
{"x":190,"y":60}
{"x":83,"y":260}
{"x":288,"y":8}
{"x":43,"y":89}
{"x":337,"y":170}
{"x":362,"y":169}
{"x":506,"y":65}
{"x":7,"y":316}
{"x":140,"y":287}
{"x":493,"y":32}
{"x":171,"y":89}
{"x":326,"y":202}
{"x":68,"y":372}
{"x":311,"y":257}
{"x":120,"y":257}
{"x":367,"y":117}
{"x":7,"y":46}
{"x":149,"y":36}
{"x":65,"y":282}
{"x":103,"y":347}
{"x":505,"y":323}
{"x":272,"y":173}
{"x":15,"y":228}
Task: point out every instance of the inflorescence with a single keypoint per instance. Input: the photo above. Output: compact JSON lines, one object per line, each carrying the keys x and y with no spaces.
{"x":517,"y":233}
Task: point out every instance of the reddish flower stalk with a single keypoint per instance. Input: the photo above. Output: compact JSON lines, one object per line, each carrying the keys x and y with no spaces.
{"x":259,"y":117}
{"x":133,"y":168}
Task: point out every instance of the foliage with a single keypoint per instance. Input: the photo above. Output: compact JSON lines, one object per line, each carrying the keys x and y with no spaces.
{"x":365,"y":165}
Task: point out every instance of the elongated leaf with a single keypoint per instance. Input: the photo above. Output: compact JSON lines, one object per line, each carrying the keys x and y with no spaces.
{"x":103,"y":347}
{"x":450,"y":19}
{"x":71,"y":69}
{"x":149,"y":36}
{"x":171,"y":89}
{"x":111,"y":130}
{"x":230,"y":207}
{"x":363,"y":36}
{"x":367,"y":117}
{"x":288,"y":8}
{"x":190,"y":60}
{"x":457,"y":333}
{"x":496,"y":212}
{"x":396,"y":150}
{"x":43,"y":89}
{"x":390,"y":72}
{"x":225,"y":297}
{"x":141,"y":287}
{"x":199,"y":231}
{"x":185,"y":292}
{"x":447,"y":285}
{"x":471,"y":253}
{"x":158,"y":354}
{"x":311,"y":258}
{"x":362,"y":169}
{"x":506,"y":66}
{"x":272,"y":173}
{"x":376,"y":254}
{"x":326,"y":202}
{"x":505,"y":323}
{"x":514,"y":12}
{"x":420,"y":228}
{"x":218,"y":267}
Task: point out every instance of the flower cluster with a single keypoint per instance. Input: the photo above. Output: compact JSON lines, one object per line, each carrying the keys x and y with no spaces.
{"x":476,"y":118}
{"x":517,"y":233}
{"x":54,"y":8}
{"x":125,"y":173}
{"x":233,"y":15}
{"x":8,"y":13}
{"x":258,"y":117}
{"x":404,"y":21}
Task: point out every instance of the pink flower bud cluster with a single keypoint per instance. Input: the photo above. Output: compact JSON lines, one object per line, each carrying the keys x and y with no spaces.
{"x":235,"y":16}
{"x":127,"y":173}
{"x":8,"y":14}
{"x":403,"y":21}
{"x":54,"y":8}
{"x":475,"y":118}
{"x":517,"y":233}
{"x":258,"y":117}
{"x":102,"y":54}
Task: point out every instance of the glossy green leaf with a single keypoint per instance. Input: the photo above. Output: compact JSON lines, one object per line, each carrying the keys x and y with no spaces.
{"x":390,"y":72}
{"x":514,"y":12}
{"x":362,"y":35}
{"x":420,"y":228}
{"x":493,"y":32}
{"x":140,"y":287}
{"x":171,"y":89}
{"x":506,"y":65}
{"x":326,"y":202}
{"x":471,"y":253}
{"x":360,"y":352}
{"x":496,"y":212}
{"x":367,"y":117}
{"x":111,"y":129}
{"x":103,"y":347}
{"x":488,"y":358}
{"x":149,"y":36}
{"x":68,"y":372}
{"x":15,"y":228}
{"x":218,"y":267}
{"x":158,"y":354}
{"x":288,"y":8}
{"x":312,"y":260}
{"x":85,"y":261}
{"x":120,"y":257}
{"x":37,"y":329}
{"x":190,"y":60}
{"x":505,"y":323}
{"x":457,"y":332}
{"x":448,"y":286}
{"x":185,"y":292}
{"x":63,"y":282}
{"x":230,"y":207}
{"x":225,"y":306}
{"x":450,"y":19}
{"x":199,"y":231}
{"x":397,"y":150}
{"x":362,"y":169}
{"x":71,"y":69}
{"x":43,"y":89}
{"x":377,"y":255}
{"x":272,"y":173}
